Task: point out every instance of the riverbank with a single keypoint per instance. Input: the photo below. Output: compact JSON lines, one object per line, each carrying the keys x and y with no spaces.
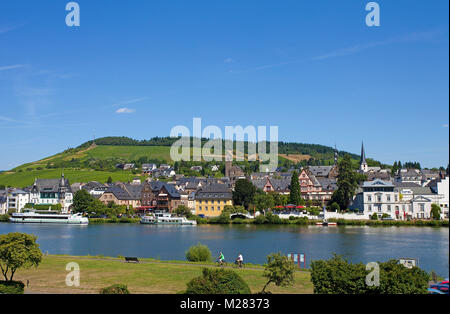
{"x":148,"y":276}
{"x":278,"y":221}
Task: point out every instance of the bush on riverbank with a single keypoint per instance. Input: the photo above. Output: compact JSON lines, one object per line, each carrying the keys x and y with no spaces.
{"x":11,"y":287}
{"x":199,"y":253}
{"x":276,"y":220}
{"x":113,"y":220}
{"x":375,"y":223}
{"x":115,"y":289}
{"x":218,"y":281}
{"x":338,"y":276}
{"x":4,"y":218}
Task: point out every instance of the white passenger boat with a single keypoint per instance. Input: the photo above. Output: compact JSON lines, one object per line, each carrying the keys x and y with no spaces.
{"x":48,"y":217}
{"x":166,"y":219}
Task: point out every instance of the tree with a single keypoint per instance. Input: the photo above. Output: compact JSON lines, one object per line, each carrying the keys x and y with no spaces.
{"x":347,"y":182}
{"x":435,"y":212}
{"x":217,"y":281}
{"x":335,"y":207}
{"x":110,"y":180}
{"x":338,"y":276}
{"x":18,"y":250}
{"x":278,"y":270}
{"x":294,"y":195}
{"x":264,"y":201}
{"x":182,"y":210}
{"x":82,"y":201}
{"x":244,"y":193}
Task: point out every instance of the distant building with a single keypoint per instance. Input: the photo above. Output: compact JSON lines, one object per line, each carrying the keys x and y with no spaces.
{"x":398,"y":200}
{"x":440,"y":186}
{"x":3,"y":203}
{"x":409,"y":176}
{"x":16,"y":200}
{"x":52,"y":192}
{"x":161,"y":196}
{"x":211,"y":199}
{"x":122,"y":194}
{"x":233,"y":172}
{"x":94,"y":188}
{"x":269,"y":184}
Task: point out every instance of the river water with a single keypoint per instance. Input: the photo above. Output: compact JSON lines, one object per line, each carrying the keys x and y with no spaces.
{"x":357,"y":243}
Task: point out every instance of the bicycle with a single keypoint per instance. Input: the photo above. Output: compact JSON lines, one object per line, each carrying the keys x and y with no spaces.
{"x":238,"y":265}
{"x":221,"y":263}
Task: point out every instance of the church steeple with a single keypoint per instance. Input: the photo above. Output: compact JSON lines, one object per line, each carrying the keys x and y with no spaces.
{"x":363,"y":164}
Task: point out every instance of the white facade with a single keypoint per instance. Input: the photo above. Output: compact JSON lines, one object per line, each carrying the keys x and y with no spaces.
{"x":443,"y":189}
{"x":382,"y":197}
{"x":3,"y":207}
{"x":16,"y":200}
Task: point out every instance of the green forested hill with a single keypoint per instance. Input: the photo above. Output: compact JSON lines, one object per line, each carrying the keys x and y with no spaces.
{"x":97,"y":161}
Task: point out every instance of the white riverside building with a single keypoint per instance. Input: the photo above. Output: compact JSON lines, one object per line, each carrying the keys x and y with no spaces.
{"x":52,"y":192}
{"x":398,"y":200}
{"x":16,"y":200}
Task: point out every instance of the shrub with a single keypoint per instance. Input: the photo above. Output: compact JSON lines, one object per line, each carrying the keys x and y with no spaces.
{"x":435,"y":211}
{"x":273,"y":219}
{"x":4,"y":218}
{"x":338,"y":276}
{"x":115,"y":289}
{"x":261,"y":219}
{"x":199,"y":253}
{"x":217,"y":281}
{"x":302,"y":221}
{"x":11,"y":287}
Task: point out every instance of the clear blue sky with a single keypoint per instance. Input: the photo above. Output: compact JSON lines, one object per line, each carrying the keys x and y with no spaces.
{"x":138,"y":68}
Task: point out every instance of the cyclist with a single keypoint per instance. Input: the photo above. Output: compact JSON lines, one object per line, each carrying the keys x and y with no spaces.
{"x":221,"y":258}
{"x":239,"y":260}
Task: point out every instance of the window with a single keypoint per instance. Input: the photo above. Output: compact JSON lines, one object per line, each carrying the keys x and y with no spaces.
{"x":370,"y":208}
{"x":379,"y":198}
{"x":388,"y":198}
{"x":369,"y":198}
{"x":389,"y":208}
{"x":422,"y":207}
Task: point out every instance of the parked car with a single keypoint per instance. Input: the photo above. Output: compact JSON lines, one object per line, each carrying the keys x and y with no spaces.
{"x":443,"y":288}
{"x":434,"y":291}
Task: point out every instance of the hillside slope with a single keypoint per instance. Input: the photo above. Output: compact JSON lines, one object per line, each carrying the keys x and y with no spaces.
{"x":96,"y":161}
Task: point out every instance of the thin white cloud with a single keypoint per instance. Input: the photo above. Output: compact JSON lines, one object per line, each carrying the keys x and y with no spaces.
{"x":445,"y":125}
{"x":10,"y":67}
{"x":125,"y":110}
{"x":228,"y":60}
{"x":131,"y":101}
{"x":417,"y":36}
{"x":6,"y":29}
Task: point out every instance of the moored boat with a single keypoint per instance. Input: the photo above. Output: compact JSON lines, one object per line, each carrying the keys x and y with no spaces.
{"x":48,"y":217}
{"x":166,"y":219}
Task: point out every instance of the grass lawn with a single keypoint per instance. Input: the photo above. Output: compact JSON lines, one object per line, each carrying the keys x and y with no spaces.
{"x":156,"y":277}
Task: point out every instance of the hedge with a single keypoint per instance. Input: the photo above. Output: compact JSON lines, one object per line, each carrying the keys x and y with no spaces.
{"x":11,"y":287}
{"x":115,"y":289}
{"x":217,"y":281}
